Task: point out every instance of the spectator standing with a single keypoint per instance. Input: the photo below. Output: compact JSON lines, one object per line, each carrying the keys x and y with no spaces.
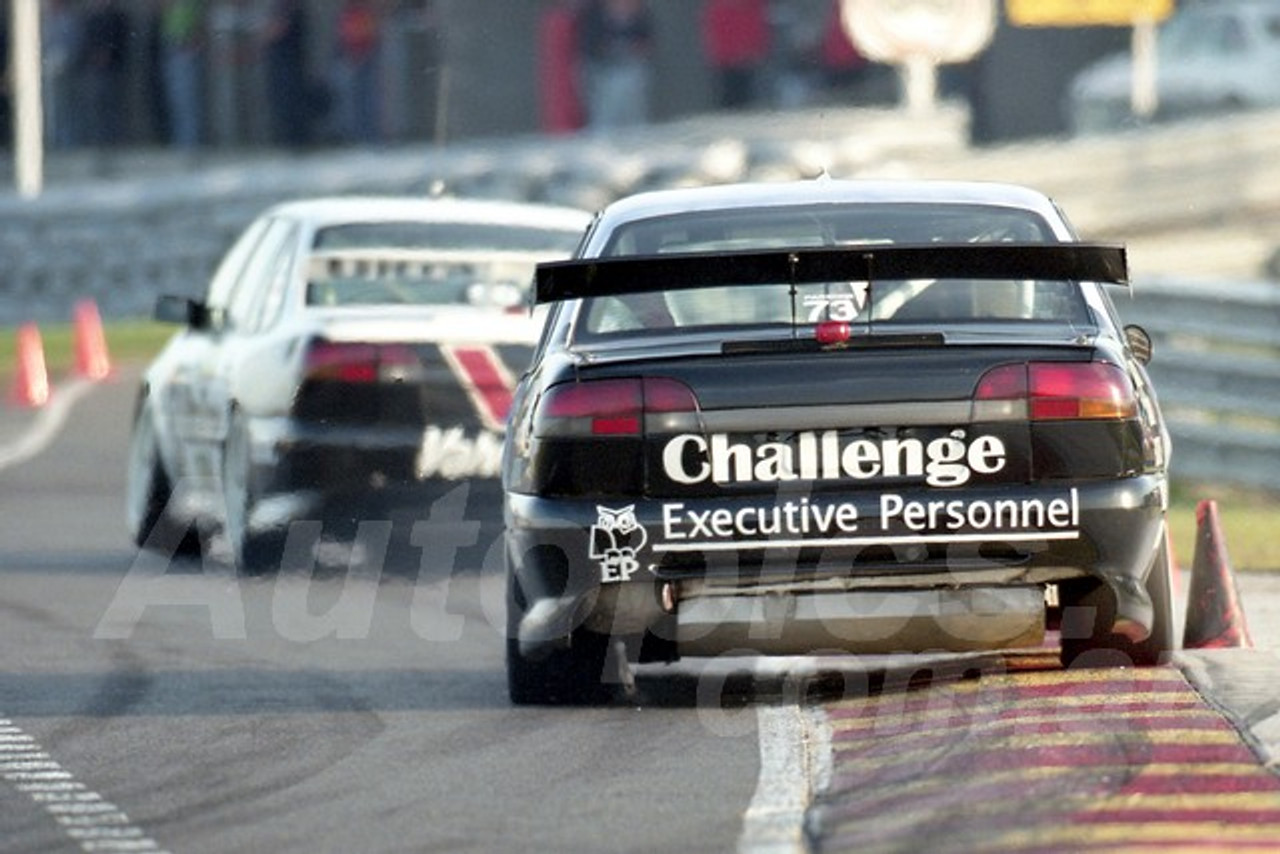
{"x":60,"y":33}
{"x":559,"y":72}
{"x":736,"y":39}
{"x":617,"y":48}
{"x":182,"y":40}
{"x":100,"y":69}
{"x":357,"y":71}
{"x":289,"y":99}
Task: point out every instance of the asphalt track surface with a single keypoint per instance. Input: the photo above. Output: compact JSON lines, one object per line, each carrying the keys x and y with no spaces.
{"x":151,"y":704}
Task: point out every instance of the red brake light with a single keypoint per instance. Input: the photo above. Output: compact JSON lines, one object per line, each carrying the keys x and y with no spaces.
{"x":614,"y":407}
{"x":1007,"y":382}
{"x":606,"y":407}
{"x":667,"y":395}
{"x":1063,"y":390}
{"x":355,"y":362}
{"x":1054,"y":391}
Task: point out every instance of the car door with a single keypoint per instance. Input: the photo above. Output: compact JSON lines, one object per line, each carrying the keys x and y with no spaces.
{"x":251,"y":308}
{"x":254,"y":370}
{"x":184,"y":381}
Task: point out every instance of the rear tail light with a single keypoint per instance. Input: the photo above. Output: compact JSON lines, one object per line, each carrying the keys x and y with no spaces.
{"x":612,"y":407}
{"x":1055,"y":391}
{"x":349,"y":362}
{"x":1089,"y":390}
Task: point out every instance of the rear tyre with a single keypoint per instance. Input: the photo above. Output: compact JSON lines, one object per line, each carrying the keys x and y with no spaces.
{"x":254,"y":552}
{"x":148,"y":492}
{"x":572,"y":676}
{"x":1086,"y":611}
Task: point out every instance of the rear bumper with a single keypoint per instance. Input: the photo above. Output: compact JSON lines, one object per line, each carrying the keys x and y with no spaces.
{"x":883,"y":621}
{"x":908,"y":571}
{"x":304,"y":470}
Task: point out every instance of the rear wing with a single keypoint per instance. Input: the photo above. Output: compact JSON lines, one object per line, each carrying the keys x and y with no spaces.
{"x":375,"y":262}
{"x":405,"y":276}
{"x":588,"y":277}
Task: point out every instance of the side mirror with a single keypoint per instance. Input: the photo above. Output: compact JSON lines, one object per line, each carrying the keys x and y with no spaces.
{"x":188,"y":312}
{"x":1139,"y":342}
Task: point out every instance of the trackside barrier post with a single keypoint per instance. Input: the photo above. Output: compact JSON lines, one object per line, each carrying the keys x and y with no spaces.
{"x":31,"y":377}
{"x":1215,"y":619}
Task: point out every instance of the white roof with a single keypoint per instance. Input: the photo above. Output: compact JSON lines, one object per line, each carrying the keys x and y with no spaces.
{"x":328,"y":210}
{"x":819,"y":191}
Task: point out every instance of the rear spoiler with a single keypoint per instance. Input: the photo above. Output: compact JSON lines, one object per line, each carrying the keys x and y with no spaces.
{"x":1089,"y":262}
{"x":371,"y":261}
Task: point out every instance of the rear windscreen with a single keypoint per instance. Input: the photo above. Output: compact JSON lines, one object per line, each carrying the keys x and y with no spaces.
{"x":429,"y":263}
{"x":447,"y":235}
{"x":924,"y":301}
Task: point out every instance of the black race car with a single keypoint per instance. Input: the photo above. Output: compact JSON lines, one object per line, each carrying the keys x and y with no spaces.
{"x":867,"y":417}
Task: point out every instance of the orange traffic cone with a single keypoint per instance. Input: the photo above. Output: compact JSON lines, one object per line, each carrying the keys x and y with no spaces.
{"x":92,"y":361}
{"x":1215,"y":619}
{"x":31,"y":379}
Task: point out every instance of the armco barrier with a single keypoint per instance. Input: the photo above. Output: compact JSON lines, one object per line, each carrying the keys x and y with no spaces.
{"x":160,"y":223}
{"x":1216,"y":369}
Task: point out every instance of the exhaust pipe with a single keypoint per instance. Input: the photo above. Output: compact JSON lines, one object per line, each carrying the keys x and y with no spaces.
{"x":669,"y":597}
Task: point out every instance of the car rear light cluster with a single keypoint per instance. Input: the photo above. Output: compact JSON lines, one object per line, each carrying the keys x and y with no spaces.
{"x":610,"y":407}
{"x":1056,"y":391}
{"x":359,"y":362}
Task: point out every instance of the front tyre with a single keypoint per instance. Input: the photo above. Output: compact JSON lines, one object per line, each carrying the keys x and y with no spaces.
{"x":149,"y":494}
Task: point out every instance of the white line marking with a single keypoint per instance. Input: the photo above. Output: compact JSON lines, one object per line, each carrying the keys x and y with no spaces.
{"x":40,"y":788}
{"x":794,"y":765}
{"x":32,"y":776}
{"x":95,"y":823}
{"x":30,"y":766}
{"x":47,"y":424}
{"x":84,"y":815}
{"x":80,"y":808}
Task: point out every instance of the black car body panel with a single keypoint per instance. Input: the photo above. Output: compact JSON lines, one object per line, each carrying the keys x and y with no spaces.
{"x":745,"y":424}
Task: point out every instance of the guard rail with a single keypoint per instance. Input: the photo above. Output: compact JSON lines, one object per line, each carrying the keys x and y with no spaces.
{"x":1216,"y":370}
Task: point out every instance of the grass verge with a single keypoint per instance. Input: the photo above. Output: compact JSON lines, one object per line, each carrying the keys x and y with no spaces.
{"x":1250,"y":522}
{"x":127,"y":341}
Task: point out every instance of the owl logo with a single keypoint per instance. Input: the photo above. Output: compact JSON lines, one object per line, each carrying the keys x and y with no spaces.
{"x":616,"y":539}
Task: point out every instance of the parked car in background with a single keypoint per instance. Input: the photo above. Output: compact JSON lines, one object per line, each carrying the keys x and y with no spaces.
{"x":1212,"y":58}
{"x":348,"y":354}
{"x":869,"y":417}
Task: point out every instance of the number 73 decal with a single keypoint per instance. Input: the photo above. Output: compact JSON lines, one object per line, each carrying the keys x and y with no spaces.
{"x":836,"y":306}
